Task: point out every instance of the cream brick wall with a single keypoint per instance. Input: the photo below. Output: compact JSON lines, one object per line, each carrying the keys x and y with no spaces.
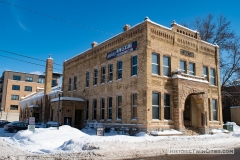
{"x":151,"y":38}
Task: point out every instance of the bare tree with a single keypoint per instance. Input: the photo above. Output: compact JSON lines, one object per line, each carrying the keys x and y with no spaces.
{"x":218,"y":31}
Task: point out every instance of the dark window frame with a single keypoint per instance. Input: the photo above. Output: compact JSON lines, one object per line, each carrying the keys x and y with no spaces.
{"x":119,"y":69}
{"x":156,"y":107}
{"x":28,"y":88}
{"x":167,"y":67}
{"x":134,"y":66}
{"x":155,"y":65}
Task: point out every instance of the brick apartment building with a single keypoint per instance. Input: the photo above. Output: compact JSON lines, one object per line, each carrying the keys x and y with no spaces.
{"x":150,"y":75}
{"x":17,"y":85}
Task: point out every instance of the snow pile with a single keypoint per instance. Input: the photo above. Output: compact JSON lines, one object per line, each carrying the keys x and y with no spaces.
{"x":214,"y":131}
{"x":236,"y":129}
{"x":44,"y":140}
{"x":113,"y":145}
{"x":166,"y":132}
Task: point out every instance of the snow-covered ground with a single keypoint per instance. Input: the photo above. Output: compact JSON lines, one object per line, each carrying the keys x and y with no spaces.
{"x":70,"y":143}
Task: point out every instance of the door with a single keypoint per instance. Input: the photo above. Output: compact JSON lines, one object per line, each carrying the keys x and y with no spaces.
{"x":68,"y":121}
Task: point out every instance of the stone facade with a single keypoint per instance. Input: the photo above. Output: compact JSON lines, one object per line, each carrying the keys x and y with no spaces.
{"x":176,"y":43}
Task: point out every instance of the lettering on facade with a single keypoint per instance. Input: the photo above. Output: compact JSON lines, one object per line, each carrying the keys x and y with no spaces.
{"x":122,"y":50}
{"x":187,"y":53}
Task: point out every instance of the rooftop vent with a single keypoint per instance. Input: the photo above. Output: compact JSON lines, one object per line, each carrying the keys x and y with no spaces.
{"x":126,"y":27}
{"x":94,"y":44}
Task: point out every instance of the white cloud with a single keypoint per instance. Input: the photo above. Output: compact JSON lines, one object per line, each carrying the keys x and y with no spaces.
{"x":22,"y":26}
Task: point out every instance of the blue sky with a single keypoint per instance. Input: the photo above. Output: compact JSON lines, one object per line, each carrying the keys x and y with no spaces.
{"x":37,"y":36}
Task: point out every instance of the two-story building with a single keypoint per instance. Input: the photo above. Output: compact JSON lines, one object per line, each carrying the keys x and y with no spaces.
{"x":150,"y":75}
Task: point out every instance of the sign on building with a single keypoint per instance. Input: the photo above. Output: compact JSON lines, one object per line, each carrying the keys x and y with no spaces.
{"x":122,"y":50}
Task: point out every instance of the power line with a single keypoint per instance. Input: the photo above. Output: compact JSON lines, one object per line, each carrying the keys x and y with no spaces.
{"x":59,"y":19}
{"x":26,"y":56}
{"x":27,"y":62}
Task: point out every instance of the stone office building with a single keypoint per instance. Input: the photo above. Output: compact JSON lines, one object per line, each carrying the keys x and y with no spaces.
{"x":149,"y":75}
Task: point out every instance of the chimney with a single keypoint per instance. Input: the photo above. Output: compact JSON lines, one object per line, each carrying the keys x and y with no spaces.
{"x":126,"y":27}
{"x":94,"y":44}
{"x":48,"y":76}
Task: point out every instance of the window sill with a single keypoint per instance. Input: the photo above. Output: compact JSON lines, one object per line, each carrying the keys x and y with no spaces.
{"x":133,"y":120}
{"x":119,"y":79}
{"x":157,"y":75}
{"x":156,"y":120}
{"x":102,"y":83}
{"x":133,"y":76}
{"x":75,"y":90}
{"x":168,"y":120}
{"x":101,"y":120}
{"x":109,"y":81}
{"x":167,"y":77}
{"x":118,"y":120}
{"x":94,"y":85}
{"x":109,"y":120}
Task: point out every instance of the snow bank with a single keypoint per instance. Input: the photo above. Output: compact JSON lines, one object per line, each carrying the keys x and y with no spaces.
{"x":44,"y":140}
{"x":113,"y":145}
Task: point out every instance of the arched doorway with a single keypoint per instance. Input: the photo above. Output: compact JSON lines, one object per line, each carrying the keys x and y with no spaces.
{"x":193,"y":114}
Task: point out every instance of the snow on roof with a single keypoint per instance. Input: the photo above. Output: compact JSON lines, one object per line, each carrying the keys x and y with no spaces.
{"x":24,"y":72}
{"x":214,"y":45}
{"x":195,"y":31}
{"x":33,"y":106}
{"x":191,"y":78}
{"x":32,"y":100}
{"x":28,"y":95}
{"x":235,"y":107}
{"x":67,"y":99}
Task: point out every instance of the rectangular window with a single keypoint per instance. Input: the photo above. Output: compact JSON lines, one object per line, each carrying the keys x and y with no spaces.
{"x":75,"y":83}
{"x":69,"y":84}
{"x":94,"y":115}
{"x":87,"y":79}
{"x":15,"y":77}
{"x":155,"y":106}
{"x":40,"y":80}
{"x":103,"y":73}
{"x":214,"y":109}
{"x":134,"y":65}
{"x":212,"y":76}
{"x":29,"y":79}
{"x":54,"y":82}
{"x":95,"y":76}
{"x":110,"y":72}
{"x":134,"y":106}
{"x":205,"y":72}
{"x":28,"y":88}
{"x":155,"y":63}
{"x":191,"y":68}
{"x":119,"y":70}
{"x":110,"y":108}
{"x":119,"y":107}
{"x":87,"y":109}
{"x":167,"y":108}
{"x":16,"y":87}
{"x":102,"y":108}
{"x":13,"y":107}
{"x":183,"y":66}
{"x":14,"y":97}
{"x":166,"y":66}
